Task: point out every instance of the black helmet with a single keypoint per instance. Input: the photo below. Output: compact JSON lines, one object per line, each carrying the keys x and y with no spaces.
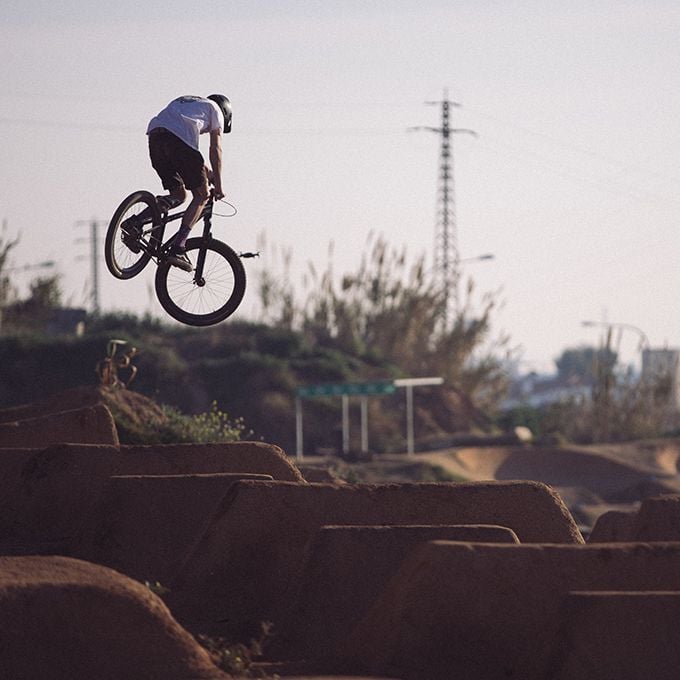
{"x":225,"y":106}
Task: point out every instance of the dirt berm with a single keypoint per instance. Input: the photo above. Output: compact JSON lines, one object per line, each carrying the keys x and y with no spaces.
{"x":463,"y":610}
{"x":243,"y":568}
{"x":65,"y":619}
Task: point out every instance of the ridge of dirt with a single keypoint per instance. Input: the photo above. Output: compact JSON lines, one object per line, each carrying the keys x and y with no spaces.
{"x":131,"y":410}
{"x":591,"y":480}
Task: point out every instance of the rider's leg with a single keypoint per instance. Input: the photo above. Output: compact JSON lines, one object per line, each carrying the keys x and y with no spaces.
{"x":169,"y":156}
{"x":179,"y":166}
{"x":176,"y":196}
{"x":200,"y":195}
{"x":177,"y":256}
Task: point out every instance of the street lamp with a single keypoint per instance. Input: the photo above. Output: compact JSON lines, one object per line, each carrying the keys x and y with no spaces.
{"x":26,"y":267}
{"x":478,"y":258}
{"x":644,"y":340}
{"x":457,"y":274}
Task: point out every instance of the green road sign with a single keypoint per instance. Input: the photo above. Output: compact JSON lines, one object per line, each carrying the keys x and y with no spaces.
{"x":350,"y":389}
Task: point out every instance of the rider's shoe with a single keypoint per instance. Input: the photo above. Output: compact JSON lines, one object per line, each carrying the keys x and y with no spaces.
{"x":166,"y":203}
{"x":178,"y":258}
{"x":131,"y":231}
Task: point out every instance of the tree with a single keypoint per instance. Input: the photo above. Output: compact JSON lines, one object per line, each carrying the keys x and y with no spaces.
{"x":390,"y":312}
{"x":620,"y":406}
{"x":35,"y":310}
{"x":6,"y":245}
{"x":45,"y":293}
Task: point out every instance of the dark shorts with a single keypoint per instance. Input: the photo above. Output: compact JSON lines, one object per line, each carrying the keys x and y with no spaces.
{"x":175,"y":161}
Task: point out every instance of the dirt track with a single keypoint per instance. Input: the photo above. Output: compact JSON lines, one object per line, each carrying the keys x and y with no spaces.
{"x":486,"y":579}
{"x":591,"y":480}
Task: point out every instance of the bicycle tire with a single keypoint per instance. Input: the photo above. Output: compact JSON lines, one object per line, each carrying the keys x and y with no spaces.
{"x":121,"y":261}
{"x":221,"y":292}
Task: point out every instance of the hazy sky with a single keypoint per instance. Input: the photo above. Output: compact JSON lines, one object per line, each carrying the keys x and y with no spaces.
{"x":572,"y":183}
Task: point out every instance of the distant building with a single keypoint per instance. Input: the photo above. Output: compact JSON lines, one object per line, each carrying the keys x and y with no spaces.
{"x":536,"y":391}
{"x":66,"y":321}
{"x":58,"y":321}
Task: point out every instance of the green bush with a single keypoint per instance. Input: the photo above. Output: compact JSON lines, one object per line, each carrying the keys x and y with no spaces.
{"x":171,"y":426}
{"x":238,"y":658}
{"x":203,"y":428}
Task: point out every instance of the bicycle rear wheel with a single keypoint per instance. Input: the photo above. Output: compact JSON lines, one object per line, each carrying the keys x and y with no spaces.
{"x":211,"y":299}
{"x":128,"y":238}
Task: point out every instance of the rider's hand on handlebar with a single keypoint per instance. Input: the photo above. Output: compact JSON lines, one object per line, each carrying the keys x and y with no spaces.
{"x":216,"y":191}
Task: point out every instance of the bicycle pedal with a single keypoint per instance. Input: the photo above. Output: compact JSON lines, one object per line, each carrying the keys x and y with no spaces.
{"x":132,"y":242}
{"x":180,"y":263}
{"x":247,"y":255}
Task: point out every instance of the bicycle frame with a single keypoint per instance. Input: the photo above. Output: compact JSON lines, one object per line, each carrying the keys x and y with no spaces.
{"x":158,"y":248}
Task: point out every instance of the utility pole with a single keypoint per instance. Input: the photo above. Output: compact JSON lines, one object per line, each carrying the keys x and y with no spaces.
{"x":93,"y":240}
{"x":446,"y":255}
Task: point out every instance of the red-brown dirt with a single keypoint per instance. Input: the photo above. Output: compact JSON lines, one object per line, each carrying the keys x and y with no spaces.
{"x":148,"y":526}
{"x":333,"y":594}
{"x":657,"y":520}
{"x":67,"y":400}
{"x":613,"y":526}
{"x":192,"y":459}
{"x":65,"y":619}
{"x":243,"y":568}
{"x":234,"y":553}
{"x":464,"y":610}
{"x":591,"y":480}
{"x":89,"y":425}
{"x":49,"y":495}
{"x":627,"y":636}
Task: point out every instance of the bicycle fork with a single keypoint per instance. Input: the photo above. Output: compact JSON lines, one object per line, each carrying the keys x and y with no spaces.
{"x":199,"y":280}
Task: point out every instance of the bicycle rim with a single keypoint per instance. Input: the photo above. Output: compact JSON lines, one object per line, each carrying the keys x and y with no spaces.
{"x":121,"y":259}
{"x":218,"y":294}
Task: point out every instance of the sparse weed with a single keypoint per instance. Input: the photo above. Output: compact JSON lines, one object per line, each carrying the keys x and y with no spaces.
{"x":156,"y":588}
{"x":212,"y":426}
{"x":238,"y":658}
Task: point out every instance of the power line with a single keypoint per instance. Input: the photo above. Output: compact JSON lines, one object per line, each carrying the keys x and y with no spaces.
{"x":137,"y":130}
{"x":72,"y":126}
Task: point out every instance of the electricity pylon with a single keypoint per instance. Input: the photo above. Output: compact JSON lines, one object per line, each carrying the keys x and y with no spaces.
{"x":446,"y":255}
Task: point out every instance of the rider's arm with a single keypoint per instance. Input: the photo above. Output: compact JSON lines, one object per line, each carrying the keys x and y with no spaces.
{"x":215,"y":155}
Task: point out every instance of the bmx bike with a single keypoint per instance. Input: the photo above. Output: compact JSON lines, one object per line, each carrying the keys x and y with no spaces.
{"x":208,"y":294}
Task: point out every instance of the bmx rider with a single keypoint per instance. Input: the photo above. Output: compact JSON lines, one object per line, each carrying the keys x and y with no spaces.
{"x":176,"y":157}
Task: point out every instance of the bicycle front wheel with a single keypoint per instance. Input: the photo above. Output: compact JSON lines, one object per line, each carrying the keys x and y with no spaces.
{"x":127,"y":249}
{"x":212,"y":297}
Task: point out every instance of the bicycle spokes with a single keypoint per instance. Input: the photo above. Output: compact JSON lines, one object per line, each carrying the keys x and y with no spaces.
{"x":204,"y":296}
{"x":128,"y":246}
{"x":209,"y":294}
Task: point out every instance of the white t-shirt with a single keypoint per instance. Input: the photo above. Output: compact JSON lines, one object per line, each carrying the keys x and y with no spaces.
{"x":189,"y":117}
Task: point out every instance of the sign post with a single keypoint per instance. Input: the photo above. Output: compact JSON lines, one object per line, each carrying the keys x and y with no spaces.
{"x":344,"y":390}
{"x":364,"y":423}
{"x":409,"y":384}
{"x":363,"y":390}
